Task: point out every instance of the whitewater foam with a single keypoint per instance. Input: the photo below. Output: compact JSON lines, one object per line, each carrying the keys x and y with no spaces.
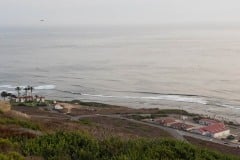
{"x":160,"y":97}
{"x":228,"y":106}
{"x":7,"y":86}
{"x":45,"y":87}
{"x":179,"y":99}
{"x":42,"y":87}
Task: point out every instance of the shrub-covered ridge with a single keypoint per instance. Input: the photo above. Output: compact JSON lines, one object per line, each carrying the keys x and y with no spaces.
{"x":81,"y":146}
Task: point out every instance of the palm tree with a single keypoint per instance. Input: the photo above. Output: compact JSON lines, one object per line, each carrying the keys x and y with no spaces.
{"x":31,"y":89}
{"x":9,"y":95}
{"x":18,"y":89}
{"x":26,"y":91}
{"x":4,"y":94}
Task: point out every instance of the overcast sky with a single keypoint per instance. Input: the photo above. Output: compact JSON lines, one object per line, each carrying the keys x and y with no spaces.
{"x":114,"y":12}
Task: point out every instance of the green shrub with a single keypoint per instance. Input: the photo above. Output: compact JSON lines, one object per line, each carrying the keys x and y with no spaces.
{"x":14,"y":156}
{"x":22,"y":123}
{"x":71,"y":145}
{"x":230,"y":137}
{"x":5,"y":145}
{"x":175,"y":111}
{"x":86,"y":122}
{"x":81,"y":146}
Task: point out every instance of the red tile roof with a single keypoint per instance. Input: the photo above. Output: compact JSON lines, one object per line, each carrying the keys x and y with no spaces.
{"x":215,"y":128}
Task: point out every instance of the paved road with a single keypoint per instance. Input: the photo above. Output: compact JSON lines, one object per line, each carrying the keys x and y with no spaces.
{"x":205,"y":138}
{"x":175,"y":133}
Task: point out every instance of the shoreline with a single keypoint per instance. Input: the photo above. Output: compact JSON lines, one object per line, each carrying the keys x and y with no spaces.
{"x":210,"y":111}
{"x":214,"y":112}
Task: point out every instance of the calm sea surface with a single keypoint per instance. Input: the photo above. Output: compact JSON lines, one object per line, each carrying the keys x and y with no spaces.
{"x":138,"y":66}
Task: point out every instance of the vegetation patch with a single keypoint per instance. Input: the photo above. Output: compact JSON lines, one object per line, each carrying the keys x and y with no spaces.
{"x":21,"y":123}
{"x":90,"y":104}
{"x":8,"y":150}
{"x":138,"y":117}
{"x":11,"y":156}
{"x":175,"y":111}
{"x":29,"y":104}
{"x":87,"y":122}
{"x":81,"y":146}
{"x":4,"y":106}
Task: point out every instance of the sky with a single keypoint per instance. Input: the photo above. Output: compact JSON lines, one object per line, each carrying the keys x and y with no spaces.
{"x":117,"y":12}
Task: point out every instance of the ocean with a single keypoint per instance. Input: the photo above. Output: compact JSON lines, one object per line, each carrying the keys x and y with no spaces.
{"x":132,"y":66}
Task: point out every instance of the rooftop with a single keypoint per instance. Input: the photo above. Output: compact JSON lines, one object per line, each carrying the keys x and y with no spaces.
{"x":215,"y":128}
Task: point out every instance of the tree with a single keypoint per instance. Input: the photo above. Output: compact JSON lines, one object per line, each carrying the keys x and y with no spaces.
{"x":9,"y":95}
{"x":31,"y":89}
{"x":4,"y":94}
{"x":26,"y":90}
{"x":18,"y":89}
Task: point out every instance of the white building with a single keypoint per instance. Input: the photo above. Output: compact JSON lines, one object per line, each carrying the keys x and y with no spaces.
{"x":58,"y":107}
{"x":216,"y":130}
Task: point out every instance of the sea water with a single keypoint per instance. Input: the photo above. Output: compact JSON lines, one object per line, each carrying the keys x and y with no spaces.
{"x":136,"y":66}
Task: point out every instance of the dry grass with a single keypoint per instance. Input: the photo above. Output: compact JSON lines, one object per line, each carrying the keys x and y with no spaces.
{"x":84,"y":110}
{"x":5,"y":106}
{"x":14,"y":131}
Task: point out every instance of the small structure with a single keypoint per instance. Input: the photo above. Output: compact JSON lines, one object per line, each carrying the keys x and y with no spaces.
{"x":207,"y":122}
{"x":165,"y":121}
{"x":24,"y":99}
{"x":37,"y":98}
{"x":184,"y":118}
{"x":182,"y":126}
{"x":29,"y":99}
{"x":17,"y":99}
{"x":215,"y":130}
{"x":58,"y":107}
{"x":40,"y":99}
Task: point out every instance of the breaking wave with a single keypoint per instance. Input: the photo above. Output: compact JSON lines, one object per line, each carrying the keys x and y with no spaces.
{"x":7,"y":86}
{"x":42,"y":87}
{"x":45,"y":87}
{"x":178,"y":98}
{"x":228,"y":106}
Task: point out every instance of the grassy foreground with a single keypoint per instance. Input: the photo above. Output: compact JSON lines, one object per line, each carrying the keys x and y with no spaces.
{"x":74,"y":145}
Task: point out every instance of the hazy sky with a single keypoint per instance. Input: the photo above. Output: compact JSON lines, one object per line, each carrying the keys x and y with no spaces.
{"x":101,"y":12}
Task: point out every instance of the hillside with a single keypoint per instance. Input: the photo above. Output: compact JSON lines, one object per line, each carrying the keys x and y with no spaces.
{"x":40,"y":134}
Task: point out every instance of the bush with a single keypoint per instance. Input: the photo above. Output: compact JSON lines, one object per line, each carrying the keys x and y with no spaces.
{"x":175,"y":111}
{"x":6,"y":145}
{"x":22,"y":123}
{"x":14,"y":156}
{"x":81,"y":146}
{"x":69,"y":145}
{"x":230,"y":137}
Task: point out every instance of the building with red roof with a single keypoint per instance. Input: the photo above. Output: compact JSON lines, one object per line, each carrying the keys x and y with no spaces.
{"x":215,"y":130}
